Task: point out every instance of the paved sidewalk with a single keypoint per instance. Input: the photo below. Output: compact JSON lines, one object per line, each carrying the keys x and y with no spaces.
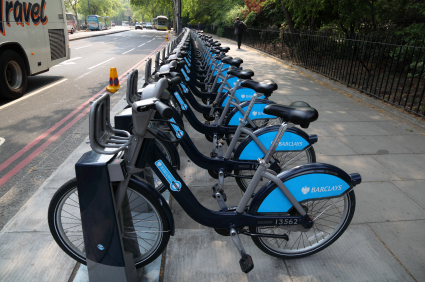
{"x":87,"y":33}
{"x":383,"y":243}
{"x":385,"y":239}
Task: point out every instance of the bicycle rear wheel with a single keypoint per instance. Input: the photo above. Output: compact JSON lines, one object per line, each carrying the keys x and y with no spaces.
{"x":331,"y":218}
{"x":149,"y":224}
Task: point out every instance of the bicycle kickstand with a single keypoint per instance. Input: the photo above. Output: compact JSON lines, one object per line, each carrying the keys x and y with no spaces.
{"x":245,"y":262}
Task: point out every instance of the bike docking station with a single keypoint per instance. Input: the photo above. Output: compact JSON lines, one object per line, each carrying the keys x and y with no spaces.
{"x":105,"y":210}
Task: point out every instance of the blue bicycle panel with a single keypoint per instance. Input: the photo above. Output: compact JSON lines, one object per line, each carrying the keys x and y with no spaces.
{"x":257,"y":112}
{"x":289,"y":142}
{"x":243,"y":94}
{"x":231,"y":81}
{"x":223,"y":72}
{"x":303,"y":188}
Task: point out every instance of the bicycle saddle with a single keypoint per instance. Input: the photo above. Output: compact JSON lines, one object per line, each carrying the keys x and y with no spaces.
{"x":244,"y":74}
{"x":216,"y":44}
{"x":302,"y":116}
{"x":220,"y":57}
{"x":215,"y":51}
{"x":223,"y":49}
{"x":233,"y":61}
{"x":266,"y":86}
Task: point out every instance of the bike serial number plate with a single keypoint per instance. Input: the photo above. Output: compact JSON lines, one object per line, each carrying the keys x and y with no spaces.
{"x":280,"y":221}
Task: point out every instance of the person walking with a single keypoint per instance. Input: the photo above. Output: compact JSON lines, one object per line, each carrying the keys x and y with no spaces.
{"x":199,"y":25}
{"x":238,"y":31}
{"x":189,"y":25}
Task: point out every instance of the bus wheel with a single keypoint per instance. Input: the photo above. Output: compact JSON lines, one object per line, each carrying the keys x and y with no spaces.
{"x":13,"y":75}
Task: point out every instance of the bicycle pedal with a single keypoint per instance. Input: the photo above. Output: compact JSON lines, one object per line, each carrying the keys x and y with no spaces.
{"x":246,"y":263}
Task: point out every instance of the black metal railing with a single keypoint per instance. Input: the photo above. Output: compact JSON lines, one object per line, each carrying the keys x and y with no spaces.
{"x":388,"y":68}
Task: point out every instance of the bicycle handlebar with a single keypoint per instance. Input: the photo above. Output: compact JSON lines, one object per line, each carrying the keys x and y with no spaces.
{"x":164,"y":110}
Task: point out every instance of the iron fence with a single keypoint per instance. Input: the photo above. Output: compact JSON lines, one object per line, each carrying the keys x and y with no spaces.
{"x":388,"y":68}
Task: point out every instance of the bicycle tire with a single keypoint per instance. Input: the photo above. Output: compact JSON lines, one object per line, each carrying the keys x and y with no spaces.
{"x":264,"y":244}
{"x":56,"y":224}
{"x":310,"y":158}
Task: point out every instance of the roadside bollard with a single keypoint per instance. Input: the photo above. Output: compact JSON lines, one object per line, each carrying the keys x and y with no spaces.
{"x":114,"y":84}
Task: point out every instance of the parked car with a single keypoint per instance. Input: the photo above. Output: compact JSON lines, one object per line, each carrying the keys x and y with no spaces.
{"x":149,"y":25}
{"x":144,"y":25}
{"x":138,"y":26}
{"x":113,"y":24}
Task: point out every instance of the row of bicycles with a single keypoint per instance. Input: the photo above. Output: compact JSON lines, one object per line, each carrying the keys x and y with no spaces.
{"x":291,"y":206}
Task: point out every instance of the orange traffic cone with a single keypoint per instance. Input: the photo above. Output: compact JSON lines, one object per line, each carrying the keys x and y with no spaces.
{"x":114,"y":84}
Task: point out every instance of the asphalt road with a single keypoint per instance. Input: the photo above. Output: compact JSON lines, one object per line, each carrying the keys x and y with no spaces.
{"x":38,"y":125}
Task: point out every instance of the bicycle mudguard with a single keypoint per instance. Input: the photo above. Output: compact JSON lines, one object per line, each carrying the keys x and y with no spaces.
{"x":231,"y":80}
{"x":158,"y":197}
{"x":306,"y":182}
{"x":293,"y":140}
{"x":256,"y":113}
{"x":243,"y":94}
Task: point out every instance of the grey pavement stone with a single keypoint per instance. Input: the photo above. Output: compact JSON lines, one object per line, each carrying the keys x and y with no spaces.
{"x":398,"y":128}
{"x":415,"y":189}
{"x":33,"y":256}
{"x":331,"y":116}
{"x":367,"y":166}
{"x":368,"y":115}
{"x":413,"y":165}
{"x":359,"y":128}
{"x":374,"y":145}
{"x":405,"y":240}
{"x":316,"y":98}
{"x":415,"y":143}
{"x":204,"y":255}
{"x":323,"y":128}
{"x":32,"y":217}
{"x":382,"y":202}
{"x":332,"y":146}
{"x":357,"y":256}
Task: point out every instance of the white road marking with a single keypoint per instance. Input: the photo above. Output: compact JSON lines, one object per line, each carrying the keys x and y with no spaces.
{"x":68,"y":62}
{"x":141,"y":45}
{"x":33,"y":93}
{"x":2,"y":140}
{"x":82,"y":47}
{"x":83,"y":75}
{"x":128,"y":51}
{"x":101,"y":63}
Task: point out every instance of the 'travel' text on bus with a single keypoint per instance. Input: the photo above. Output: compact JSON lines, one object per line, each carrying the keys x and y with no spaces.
{"x":22,"y":13}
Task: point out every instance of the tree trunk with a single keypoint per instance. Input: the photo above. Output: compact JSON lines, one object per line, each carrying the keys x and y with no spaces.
{"x":288,"y":17}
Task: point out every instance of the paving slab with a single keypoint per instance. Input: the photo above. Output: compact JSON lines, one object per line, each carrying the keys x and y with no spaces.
{"x":204,"y":255}
{"x":358,"y":255}
{"x":368,"y":115}
{"x":398,"y":128}
{"x":413,"y":165}
{"x":405,"y":240}
{"x":359,"y":128}
{"x":374,"y":145}
{"x":384,"y":202}
{"x":369,"y":168}
{"x":415,"y":189}
{"x":33,"y":256}
{"x":415,"y":143}
{"x":332,"y":146}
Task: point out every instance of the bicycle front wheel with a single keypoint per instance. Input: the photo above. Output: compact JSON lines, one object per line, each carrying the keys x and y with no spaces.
{"x":149,"y":231}
{"x":331,"y":218}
